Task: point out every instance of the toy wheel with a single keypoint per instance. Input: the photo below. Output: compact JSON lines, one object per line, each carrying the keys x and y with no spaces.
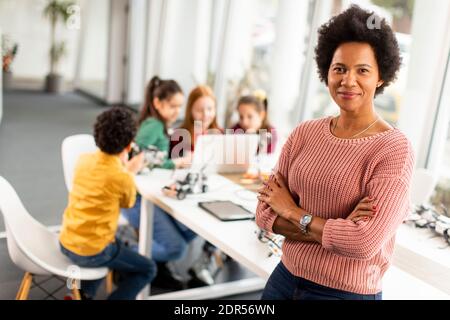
{"x":181,"y":195}
{"x":204,"y":188}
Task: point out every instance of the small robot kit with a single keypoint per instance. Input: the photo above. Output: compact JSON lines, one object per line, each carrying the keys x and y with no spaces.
{"x":152,"y":156}
{"x":189,"y":182}
{"x":437,"y":219}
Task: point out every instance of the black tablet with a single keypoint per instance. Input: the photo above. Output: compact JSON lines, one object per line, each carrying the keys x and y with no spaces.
{"x":227,"y":210}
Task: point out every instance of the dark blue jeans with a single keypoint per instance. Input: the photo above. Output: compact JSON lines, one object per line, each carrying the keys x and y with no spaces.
{"x":135,"y":271}
{"x":283,"y":285}
{"x":170,"y":237}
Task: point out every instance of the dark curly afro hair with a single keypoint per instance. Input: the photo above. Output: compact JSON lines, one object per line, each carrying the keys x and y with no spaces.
{"x":114,"y":130}
{"x":358,"y":25}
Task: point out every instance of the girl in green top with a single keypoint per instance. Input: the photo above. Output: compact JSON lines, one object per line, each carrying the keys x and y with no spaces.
{"x":161,"y":108}
{"x":163,"y":102}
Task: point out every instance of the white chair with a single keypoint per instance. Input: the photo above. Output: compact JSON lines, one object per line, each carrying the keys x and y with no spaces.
{"x":71,"y":149}
{"x":35,"y":249}
{"x":422,"y":186}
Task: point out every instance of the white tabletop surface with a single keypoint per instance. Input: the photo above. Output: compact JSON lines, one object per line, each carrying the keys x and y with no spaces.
{"x":238,"y":239}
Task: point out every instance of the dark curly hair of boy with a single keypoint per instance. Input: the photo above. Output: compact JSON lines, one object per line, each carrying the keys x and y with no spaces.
{"x":114,"y":130}
{"x":358,"y":25}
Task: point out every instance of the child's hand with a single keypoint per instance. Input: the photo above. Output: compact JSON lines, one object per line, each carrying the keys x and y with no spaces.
{"x":136,"y":163}
{"x":170,"y":191}
{"x":183,"y":162}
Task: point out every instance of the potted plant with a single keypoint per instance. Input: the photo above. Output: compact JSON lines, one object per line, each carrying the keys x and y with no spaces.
{"x":56,"y":11}
{"x":9,"y":52}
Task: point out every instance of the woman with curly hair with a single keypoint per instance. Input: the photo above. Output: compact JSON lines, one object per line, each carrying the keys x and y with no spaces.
{"x":341,"y":187}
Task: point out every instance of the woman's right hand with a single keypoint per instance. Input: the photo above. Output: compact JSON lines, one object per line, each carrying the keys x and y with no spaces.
{"x":364,"y":210}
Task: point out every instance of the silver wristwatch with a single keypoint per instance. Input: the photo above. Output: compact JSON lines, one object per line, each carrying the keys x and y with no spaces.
{"x":305,"y":220}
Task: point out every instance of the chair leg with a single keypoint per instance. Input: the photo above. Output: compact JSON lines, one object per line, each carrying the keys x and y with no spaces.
{"x":75,"y":290}
{"x":25,"y":286}
{"x":109,"y":282}
{"x":19,"y":292}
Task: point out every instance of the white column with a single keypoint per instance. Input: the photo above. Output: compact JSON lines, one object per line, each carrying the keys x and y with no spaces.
{"x":289,"y":46}
{"x":156,"y":16}
{"x":429,"y":53}
{"x":92,"y":49}
{"x":117,"y":51}
{"x":136,"y":49}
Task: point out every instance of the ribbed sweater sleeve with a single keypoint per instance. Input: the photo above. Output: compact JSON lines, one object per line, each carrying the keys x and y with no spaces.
{"x":389,"y":186}
{"x":265,"y":216}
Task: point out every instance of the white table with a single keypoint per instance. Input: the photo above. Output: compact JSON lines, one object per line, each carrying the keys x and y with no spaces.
{"x":238,"y":240}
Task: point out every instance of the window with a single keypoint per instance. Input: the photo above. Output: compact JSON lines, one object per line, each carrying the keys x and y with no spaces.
{"x":250,"y":52}
{"x":265,"y":47}
{"x":441,"y":146}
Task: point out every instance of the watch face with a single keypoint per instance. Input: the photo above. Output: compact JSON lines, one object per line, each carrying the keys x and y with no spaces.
{"x":306,"y":219}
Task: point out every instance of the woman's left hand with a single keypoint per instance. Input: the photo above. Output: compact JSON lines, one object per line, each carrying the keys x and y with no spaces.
{"x":276,"y":194}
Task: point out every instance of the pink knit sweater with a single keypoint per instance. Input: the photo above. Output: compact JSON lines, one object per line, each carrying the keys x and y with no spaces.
{"x":328,"y":176}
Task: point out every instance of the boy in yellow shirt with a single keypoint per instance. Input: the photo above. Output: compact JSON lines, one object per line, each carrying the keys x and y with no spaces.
{"x":103,"y":183}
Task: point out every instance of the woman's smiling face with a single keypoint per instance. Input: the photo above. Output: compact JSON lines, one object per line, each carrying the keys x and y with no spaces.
{"x":353,"y":76}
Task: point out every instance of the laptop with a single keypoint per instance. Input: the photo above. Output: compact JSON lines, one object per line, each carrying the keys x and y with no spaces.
{"x":225,"y":153}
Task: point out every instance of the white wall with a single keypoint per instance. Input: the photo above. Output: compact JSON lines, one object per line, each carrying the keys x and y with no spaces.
{"x":23,"y":21}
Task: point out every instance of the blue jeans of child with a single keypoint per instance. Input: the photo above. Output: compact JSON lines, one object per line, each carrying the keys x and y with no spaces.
{"x":135,"y":270}
{"x":283,"y":285}
{"x":170,"y":237}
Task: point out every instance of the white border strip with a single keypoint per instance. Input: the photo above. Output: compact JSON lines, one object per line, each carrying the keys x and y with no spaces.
{"x":214,"y":291}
